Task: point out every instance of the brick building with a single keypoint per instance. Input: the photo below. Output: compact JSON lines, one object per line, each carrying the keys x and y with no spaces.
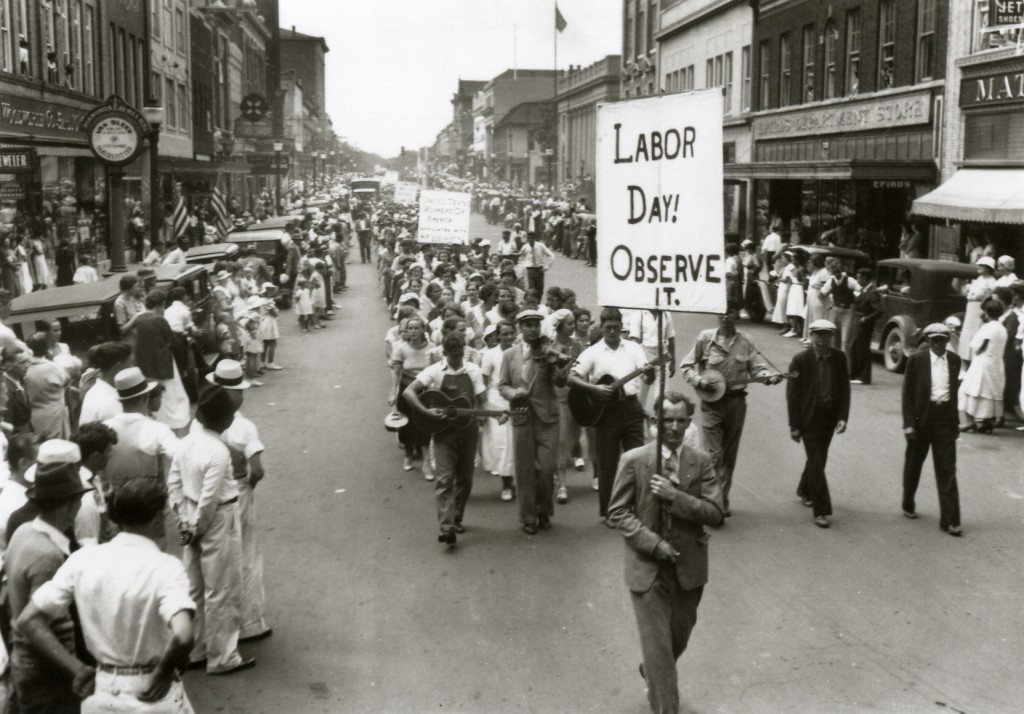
{"x":639,"y":48}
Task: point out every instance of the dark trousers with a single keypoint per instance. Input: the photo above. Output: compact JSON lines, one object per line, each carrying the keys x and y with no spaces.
{"x":454,"y":454}
{"x":592,"y":250}
{"x":813,"y":484}
{"x":665,"y":616}
{"x":722,"y":427}
{"x":364,"y":247}
{"x":620,"y":429}
{"x":535,"y":446}
{"x":342,"y":275}
{"x":40,"y":688}
{"x":860,"y":353}
{"x":535,"y":280}
{"x":938,"y":433}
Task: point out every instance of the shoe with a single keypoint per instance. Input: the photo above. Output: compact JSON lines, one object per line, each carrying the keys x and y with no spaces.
{"x":255,"y":383}
{"x":807,"y":502}
{"x":446,"y":537}
{"x":243,"y":665}
{"x":275,"y":367}
{"x":407,"y":464}
{"x":428,"y":475}
{"x":968,"y":429}
{"x":821,"y":521}
{"x":562,"y":495}
{"x":594,"y":485}
{"x":198,"y":664}
{"x":544,"y":522}
{"x":506,"y":494}
{"x":955,"y":531}
{"x":580,"y":464}
{"x":459,"y":528}
{"x":530,"y":528}
{"x":856,"y":381}
{"x":791,"y":333}
{"x":608,"y":523}
{"x":262,"y":370}
{"x":1020,"y":428}
{"x":256,"y":638}
{"x":909,"y":514}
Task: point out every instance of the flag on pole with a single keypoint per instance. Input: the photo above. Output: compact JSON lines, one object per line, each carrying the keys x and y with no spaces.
{"x":560,"y":23}
{"x":220,"y":211}
{"x":179,"y":219}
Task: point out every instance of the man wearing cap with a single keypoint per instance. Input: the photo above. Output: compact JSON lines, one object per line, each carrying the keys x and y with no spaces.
{"x":34,"y":554}
{"x":528,"y":380}
{"x":930,"y":421}
{"x":621,"y":426}
{"x":205,"y":498}
{"x":243,"y":441}
{"x":145,"y":447}
{"x":147,"y":636}
{"x":818,"y":402}
{"x":734,"y":355}
{"x":454,"y":449}
{"x":536,"y":258}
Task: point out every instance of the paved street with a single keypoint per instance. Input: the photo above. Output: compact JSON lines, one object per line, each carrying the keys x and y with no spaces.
{"x":371,"y":614}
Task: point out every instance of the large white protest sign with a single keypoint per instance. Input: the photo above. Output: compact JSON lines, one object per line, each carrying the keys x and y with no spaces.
{"x":405,"y":192}
{"x":444,"y":217}
{"x":660,"y":228}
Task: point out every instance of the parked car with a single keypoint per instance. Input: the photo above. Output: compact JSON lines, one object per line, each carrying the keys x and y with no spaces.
{"x":269,"y":246}
{"x":209,"y":254}
{"x":275,"y":222}
{"x":916,"y":293}
{"x":768,"y":288}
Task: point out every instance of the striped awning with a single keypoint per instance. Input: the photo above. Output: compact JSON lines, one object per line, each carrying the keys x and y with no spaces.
{"x":977,"y":196}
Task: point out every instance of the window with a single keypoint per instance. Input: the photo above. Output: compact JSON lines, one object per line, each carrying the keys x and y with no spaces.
{"x":785,"y":70}
{"x":179,"y":30}
{"x":709,"y":73}
{"x":168,"y":22}
{"x":171,"y":113}
{"x":652,"y":20}
{"x":128,"y":66}
{"x":641,"y":25}
{"x":156,"y":88}
{"x":48,"y":31}
{"x":925,"y":39}
{"x":75,"y":79}
{"x":21,"y":23}
{"x":627,"y":37}
{"x":6,"y":39}
{"x":852,"y":53}
{"x":764,"y":60}
{"x":183,"y":118}
{"x":990,"y":38}
{"x":831,"y":35}
{"x":808,"y":78}
{"x":119,"y":61}
{"x":61,"y":31}
{"x":887,"y":44}
{"x":745,"y":86}
{"x":727,"y":82}
{"x":688,"y":81}
{"x":88,"y":52}
{"x":154,"y":18}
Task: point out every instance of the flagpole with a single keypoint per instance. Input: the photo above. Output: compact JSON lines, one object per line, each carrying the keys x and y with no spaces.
{"x":515,"y":52}
{"x":554,"y":97}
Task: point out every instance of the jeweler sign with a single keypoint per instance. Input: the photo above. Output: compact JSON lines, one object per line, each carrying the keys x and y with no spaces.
{"x":444,"y":217}
{"x":660,"y":237}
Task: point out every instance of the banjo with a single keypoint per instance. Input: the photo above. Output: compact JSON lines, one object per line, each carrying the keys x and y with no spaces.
{"x":716,"y":384}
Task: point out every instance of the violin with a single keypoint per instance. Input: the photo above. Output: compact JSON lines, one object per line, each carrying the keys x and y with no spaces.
{"x":553,"y":356}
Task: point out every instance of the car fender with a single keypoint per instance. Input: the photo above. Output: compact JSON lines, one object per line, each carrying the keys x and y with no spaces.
{"x":909,"y":332}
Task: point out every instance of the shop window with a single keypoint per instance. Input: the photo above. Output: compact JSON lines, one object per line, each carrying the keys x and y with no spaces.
{"x":853,"y":53}
{"x":925,"y":39}
{"x":887,"y":44}
{"x":785,"y":71}
{"x":989,"y":36}
{"x":831,"y":35}
{"x":997,"y":136}
{"x":808,"y":78}
{"x":764,"y":88}
{"x":745,"y":86}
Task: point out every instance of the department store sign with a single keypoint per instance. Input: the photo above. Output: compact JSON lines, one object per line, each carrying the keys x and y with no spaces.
{"x":883,"y":113}
{"x":22,"y":115}
{"x":1001,"y":88}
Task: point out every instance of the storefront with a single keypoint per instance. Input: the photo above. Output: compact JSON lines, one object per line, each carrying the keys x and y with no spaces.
{"x":857,"y":162}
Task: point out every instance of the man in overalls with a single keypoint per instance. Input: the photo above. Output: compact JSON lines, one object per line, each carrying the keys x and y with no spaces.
{"x":453,"y":449}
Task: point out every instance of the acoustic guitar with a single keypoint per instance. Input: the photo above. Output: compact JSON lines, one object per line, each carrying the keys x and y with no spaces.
{"x":456,"y":412}
{"x":587,"y":408}
{"x":717,"y":384}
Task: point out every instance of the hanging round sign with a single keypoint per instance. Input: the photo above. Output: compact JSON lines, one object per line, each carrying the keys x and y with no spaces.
{"x":115,"y":137}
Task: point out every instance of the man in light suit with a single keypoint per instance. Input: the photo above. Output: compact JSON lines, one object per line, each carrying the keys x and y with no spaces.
{"x":662,"y":517}
{"x":930,"y":422}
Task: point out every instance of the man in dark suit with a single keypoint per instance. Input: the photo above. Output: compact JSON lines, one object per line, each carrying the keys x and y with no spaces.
{"x":818,"y":401}
{"x":17,"y":410}
{"x":930,"y":422}
{"x":528,"y":380}
{"x":662,"y":517}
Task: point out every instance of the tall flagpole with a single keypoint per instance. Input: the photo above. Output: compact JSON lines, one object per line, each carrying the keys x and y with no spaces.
{"x":554,"y":96}
{"x":515,"y":52}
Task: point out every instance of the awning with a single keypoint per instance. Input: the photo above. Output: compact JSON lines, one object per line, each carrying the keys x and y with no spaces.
{"x":977,"y":196}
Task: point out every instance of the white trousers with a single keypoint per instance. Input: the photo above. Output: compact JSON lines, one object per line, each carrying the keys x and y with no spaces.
{"x":118,"y":693}
{"x":254,"y":597}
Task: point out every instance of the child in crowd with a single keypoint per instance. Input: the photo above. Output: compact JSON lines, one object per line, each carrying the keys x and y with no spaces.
{"x":269,"y":332}
{"x":303,"y":303}
{"x":317,"y":294}
{"x":253,"y":346}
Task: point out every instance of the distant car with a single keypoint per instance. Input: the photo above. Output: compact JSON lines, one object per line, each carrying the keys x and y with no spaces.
{"x":851,"y":259}
{"x":208,"y":254}
{"x":915,"y":293}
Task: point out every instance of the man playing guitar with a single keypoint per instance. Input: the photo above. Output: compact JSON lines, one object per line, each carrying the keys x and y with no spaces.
{"x":734,"y":355}
{"x":621,"y":426}
{"x":453,"y":449}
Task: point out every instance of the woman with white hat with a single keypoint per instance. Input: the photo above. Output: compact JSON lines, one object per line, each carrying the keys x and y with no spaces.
{"x":496,"y":435}
{"x":785,"y":274}
{"x":981,"y":392}
{"x":977,"y":292}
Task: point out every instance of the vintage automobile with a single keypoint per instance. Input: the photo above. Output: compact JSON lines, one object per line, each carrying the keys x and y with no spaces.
{"x":366,"y":189}
{"x":768,"y":288}
{"x":915,"y":293}
{"x":269,"y":242}
{"x":209,"y":254}
{"x":86,"y":312}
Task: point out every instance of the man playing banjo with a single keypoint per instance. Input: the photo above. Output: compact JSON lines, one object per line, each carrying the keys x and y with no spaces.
{"x":724,"y":356}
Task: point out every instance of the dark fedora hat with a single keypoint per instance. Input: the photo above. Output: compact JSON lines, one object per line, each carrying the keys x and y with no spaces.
{"x":55,"y":482}
{"x":216,"y":407}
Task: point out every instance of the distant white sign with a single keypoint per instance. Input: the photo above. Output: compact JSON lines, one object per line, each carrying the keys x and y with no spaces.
{"x":444,"y":217}
{"x":661,"y":233}
{"x":405,"y":192}
{"x":390,"y":177}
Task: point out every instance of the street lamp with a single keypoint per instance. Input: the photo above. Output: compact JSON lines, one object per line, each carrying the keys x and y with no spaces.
{"x":278,"y":148}
{"x":154,"y":115}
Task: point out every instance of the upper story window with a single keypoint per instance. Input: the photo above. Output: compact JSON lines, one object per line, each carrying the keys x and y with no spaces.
{"x":887,"y":44}
{"x":785,"y":70}
{"x":764,"y":63}
{"x":809,"y":46}
{"x":745,"y":73}
{"x":831,"y":69}
{"x":853,"y":52}
{"x":987,"y":35}
{"x":925,"y":40}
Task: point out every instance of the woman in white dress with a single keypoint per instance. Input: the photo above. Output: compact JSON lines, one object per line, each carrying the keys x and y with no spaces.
{"x":21,"y":262}
{"x":981,"y":392}
{"x":785,"y":272}
{"x":496,"y":437}
{"x":795,"y":299}
{"x":977,"y":292}
{"x":817,"y":304}
{"x":40,"y":269}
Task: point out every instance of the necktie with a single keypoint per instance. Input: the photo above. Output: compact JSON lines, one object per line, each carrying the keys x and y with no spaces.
{"x":529,"y":368}
{"x":669,"y":466}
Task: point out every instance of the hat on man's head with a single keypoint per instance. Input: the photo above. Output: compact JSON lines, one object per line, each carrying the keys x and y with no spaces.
{"x":54,"y":451}
{"x":54,"y":482}
{"x":987,"y":262}
{"x":1006,"y":262}
{"x":936,"y":329}
{"x":216,"y":408}
{"x":822,"y":326}
{"x":145,"y":273}
{"x":131,"y":383}
{"x":525,"y":315}
{"x":490,"y":330}
{"x":222,"y":275}
{"x":406,"y":297}
{"x":228,"y":374}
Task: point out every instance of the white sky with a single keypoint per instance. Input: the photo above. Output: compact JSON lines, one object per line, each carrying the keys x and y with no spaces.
{"x":393,"y":65}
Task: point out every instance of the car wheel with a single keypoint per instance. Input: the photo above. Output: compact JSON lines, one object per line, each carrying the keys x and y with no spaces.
{"x":892,"y":351}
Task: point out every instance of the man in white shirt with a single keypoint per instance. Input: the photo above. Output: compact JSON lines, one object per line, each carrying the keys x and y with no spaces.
{"x":22,"y":452}
{"x":844,"y":289}
{"x":621,"y":425}
{"x":178,"y":314}
{"x":177,"y":256}
{"x":100,"y":402}
{"x":771,"y":244}
{"x":507,"y":248}
{"x":643,"y":328}
{"x":85,"y":273}
{"x":535,"y":258}
{"x":145,"y":446}
{"x":205,"y":499}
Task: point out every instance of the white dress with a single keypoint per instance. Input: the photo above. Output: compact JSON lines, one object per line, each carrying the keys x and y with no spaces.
{"x":495,"y":438}
{"x":795,"y":299}
{"x":782,"y":297}
{"x":981,"y":392}
{"x":979,"y":289}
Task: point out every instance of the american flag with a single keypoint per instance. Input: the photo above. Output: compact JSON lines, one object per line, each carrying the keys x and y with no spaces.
{"x":220,"y":212}
{"x":179,"y":219}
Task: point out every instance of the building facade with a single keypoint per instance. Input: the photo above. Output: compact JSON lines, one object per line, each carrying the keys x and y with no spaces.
{"x":846,"y":114}
{"x":304,"y":55}
{"x":519,"y":154}
{"x":639,"y":72}
{"x":462,"y":120}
